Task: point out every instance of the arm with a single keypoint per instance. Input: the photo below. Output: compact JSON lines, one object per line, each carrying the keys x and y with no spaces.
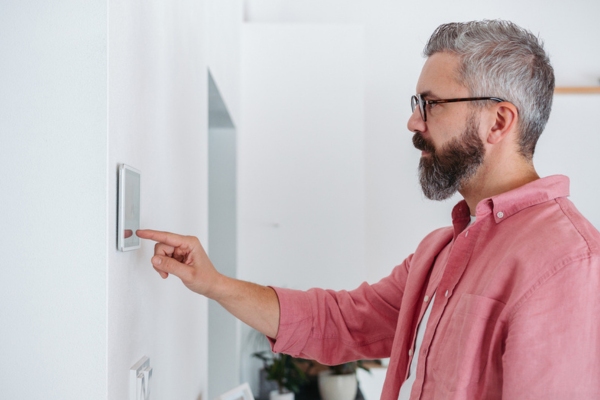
{"x":339,"y":326}
{"x":184,"y":257}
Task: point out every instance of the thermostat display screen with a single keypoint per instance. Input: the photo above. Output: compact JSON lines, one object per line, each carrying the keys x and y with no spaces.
{"x":129,"y":208}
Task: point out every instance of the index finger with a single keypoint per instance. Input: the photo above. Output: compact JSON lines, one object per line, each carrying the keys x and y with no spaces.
{"x":168,"y":238}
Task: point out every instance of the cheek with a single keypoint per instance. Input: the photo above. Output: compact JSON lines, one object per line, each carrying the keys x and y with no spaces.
{"x":441,"y":134}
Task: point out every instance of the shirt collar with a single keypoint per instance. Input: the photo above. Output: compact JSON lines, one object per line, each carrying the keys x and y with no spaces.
{"x":506,"y":204}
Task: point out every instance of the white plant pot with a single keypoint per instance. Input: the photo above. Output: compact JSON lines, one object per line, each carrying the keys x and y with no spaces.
{"x":337,"y":387}
{"x":275,"y":395}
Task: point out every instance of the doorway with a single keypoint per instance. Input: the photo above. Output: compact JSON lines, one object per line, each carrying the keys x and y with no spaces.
{"x":223,"y":328}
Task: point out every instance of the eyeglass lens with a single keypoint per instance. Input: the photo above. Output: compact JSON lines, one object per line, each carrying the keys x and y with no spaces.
{"x":414,"y":100}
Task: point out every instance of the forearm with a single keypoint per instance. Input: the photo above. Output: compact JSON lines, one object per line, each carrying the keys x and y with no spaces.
{"x":184,"y":257}
{"x":255,"y":305}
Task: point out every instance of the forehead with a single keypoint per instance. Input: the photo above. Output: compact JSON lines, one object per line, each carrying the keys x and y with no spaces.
{"x":439,"y":76}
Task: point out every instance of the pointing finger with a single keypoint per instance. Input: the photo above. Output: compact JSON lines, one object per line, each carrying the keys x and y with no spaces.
{"x":168,"y":238}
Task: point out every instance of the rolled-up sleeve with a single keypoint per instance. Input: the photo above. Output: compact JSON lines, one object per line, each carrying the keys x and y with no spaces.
{"x":333,"y":327}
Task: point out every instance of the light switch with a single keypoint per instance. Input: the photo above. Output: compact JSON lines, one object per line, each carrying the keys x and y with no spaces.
{"x":140,"y":376}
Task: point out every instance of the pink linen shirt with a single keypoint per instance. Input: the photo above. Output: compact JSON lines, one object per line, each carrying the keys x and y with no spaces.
{"x":516,"y":313}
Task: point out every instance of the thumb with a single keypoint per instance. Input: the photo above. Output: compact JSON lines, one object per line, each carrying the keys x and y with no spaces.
{"x":167,"y":265}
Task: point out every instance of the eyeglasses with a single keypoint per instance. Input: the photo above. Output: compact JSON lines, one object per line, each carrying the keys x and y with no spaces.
{"x":419,"y":100}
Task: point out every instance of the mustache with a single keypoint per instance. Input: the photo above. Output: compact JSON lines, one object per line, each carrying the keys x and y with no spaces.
{"x":421,"y":143}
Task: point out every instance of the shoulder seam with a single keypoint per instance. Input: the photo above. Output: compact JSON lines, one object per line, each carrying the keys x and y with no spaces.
{"x":567,"y":214}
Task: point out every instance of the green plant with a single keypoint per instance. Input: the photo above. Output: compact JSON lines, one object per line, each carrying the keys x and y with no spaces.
{"x":348,"y":368}
{"x":283,"y":369}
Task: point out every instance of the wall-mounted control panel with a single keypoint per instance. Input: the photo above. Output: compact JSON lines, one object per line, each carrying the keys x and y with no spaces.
{"x":128,"y":209}
{"x":139,"y":380}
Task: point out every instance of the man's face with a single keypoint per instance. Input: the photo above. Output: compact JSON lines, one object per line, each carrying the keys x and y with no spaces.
{"x":452,"y":149}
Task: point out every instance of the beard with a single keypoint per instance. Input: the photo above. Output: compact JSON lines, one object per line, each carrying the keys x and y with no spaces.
{"x":448,"y":169}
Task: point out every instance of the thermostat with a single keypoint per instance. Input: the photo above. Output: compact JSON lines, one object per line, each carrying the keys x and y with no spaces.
{"x":128,"y":214}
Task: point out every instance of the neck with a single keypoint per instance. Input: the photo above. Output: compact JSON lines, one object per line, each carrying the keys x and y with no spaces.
{"x":494,"y":178}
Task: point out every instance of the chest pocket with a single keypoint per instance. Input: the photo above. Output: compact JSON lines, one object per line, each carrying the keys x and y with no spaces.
{"x":466,"y":346}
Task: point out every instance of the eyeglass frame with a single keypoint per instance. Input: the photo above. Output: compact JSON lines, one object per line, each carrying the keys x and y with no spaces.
{"x":418,"y":99}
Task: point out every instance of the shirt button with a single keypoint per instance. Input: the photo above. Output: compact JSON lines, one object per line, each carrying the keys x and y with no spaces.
{"x":447,"y":294}
{"x":410,"y":353}
{"x":426,"y":299}
{"x":500,"y":214}
{"x":466,"y":233}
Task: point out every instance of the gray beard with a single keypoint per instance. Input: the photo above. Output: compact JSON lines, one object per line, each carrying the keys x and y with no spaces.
{"x":445,"y":171}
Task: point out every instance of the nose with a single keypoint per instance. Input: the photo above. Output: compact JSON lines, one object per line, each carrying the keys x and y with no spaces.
{"x":415,"y":122}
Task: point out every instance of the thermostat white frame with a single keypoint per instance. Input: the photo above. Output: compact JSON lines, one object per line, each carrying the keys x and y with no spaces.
{"x":128,"y":195}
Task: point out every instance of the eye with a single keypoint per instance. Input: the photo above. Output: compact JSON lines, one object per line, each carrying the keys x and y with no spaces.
{"x":431,"y":106}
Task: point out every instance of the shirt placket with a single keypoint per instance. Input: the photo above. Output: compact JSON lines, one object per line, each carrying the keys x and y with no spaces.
{"x":457,"y":262}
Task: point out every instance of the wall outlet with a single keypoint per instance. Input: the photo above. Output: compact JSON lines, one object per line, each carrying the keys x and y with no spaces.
{"x":139,"y":380}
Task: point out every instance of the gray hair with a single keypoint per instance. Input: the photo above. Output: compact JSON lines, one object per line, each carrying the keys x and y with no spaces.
{"x":501,"y":59}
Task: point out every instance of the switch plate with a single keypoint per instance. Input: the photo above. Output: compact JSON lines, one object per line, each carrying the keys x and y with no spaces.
{"x":140,"y":376}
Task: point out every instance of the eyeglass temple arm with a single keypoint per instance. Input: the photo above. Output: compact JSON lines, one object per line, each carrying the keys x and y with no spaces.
{"x":499,"y":100}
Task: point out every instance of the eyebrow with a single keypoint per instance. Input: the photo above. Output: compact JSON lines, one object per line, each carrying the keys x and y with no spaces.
{"x":428,"y":93}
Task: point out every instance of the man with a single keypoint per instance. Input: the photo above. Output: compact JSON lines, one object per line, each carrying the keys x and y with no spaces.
{"x":504,"y":304}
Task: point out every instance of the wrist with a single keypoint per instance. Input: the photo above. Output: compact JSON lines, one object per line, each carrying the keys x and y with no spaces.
{"x":218,"y":288}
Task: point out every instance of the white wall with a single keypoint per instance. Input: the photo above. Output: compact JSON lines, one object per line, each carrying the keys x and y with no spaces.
{"x":158,"y":105}
{"x":53,"y":189}
{"x":159,"y":55}
{"x":223,"y":328}
{"x":224,"y":25}
{"x":85,"y":88}
{"x":398,"y":216}
{"x":224,"y":51}
{"x":301,"y":159}
{"x":301,"y":163}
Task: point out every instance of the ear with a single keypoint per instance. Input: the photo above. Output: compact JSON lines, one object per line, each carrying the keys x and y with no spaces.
{"x":504,"y":122}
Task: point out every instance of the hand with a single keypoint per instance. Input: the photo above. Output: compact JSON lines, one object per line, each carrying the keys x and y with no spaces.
{"x":184,"y":257}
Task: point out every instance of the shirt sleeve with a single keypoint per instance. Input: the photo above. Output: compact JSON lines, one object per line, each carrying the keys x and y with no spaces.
{"x":333,"y":327}
{"x":553,"y":340}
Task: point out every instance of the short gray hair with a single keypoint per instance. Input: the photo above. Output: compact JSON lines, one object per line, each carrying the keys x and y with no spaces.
{"x":501,"y":59}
